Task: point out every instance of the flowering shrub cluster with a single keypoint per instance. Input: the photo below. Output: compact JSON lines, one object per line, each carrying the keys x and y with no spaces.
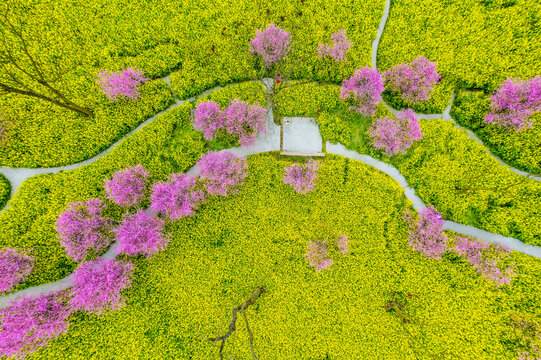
{"x":514,"y":102}
{"x":395,"y":135}
{"x":364,"y":90}
{"x":271,"y":44}
{"x":14,"y":268}
{"x":244,"y":120}
{"x":141,"y":233}
{"x":178,"y":198}
{"x":125,"y":83}
{"x":31,"y":322}
{"x":426,"y":235}
{"x":83,"y":229}
{"x":527,"y":333}
{"x":127,"y":188}
{"x":97,"y":285}
{"x":341,"y":45}
{"x":478,"y":253}
{"x":415,"y":81}
{"x":301,"y":177}
{"x":222,"y":172}
{"x":207,"y":118}
{"x":317,"y":254}
{"x":239,"y":118}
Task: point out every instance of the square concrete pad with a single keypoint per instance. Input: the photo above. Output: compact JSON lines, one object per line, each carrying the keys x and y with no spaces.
{"x":302,"y":135}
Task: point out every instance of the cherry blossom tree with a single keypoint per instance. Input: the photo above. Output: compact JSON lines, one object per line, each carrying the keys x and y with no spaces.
{"x":478,"y":253}
{"x":245,"y":121}
{"x":395,"y":135}
{"x":127,"y":187}
{"x":239,"y":118}
{"x":141,"y":233}
{"x":222,"y":172}
{"x":29,"y":323}
{"x":316,"y":254}
{"x":301,"y":176}
{"x":363,"y":90}
{"x":178,"y":198}
{"x":83,"y":229}
{"x":14,"y":268}
{"x":338,"y":50}
{"x":271,"y":45}
{"x":514,"y":102}
{"x":207,"y":117}
{"x":97,"y":285}
{"x":426,"y":235}
{"x":125,"y":83}
{"x":415,"y":81}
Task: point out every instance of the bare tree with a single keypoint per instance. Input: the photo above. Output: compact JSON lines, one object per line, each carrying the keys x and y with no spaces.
{"x":25,"y":68}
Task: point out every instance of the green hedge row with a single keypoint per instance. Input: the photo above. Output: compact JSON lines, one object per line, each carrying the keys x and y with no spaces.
{"x":520,"y":149}
{"x":167,"y":145}
{"x":5,"y":191}
{"x":185,"y":294}
{"x":476,"y":44}
{"x":50,"y":136}
{"x":446,"y":168}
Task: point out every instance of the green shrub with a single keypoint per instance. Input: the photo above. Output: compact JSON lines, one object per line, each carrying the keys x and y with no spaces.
{"x":519,"y":149}
{"x":185,"y":294}
{"x":50,"y":136}
{"x":5,"y":191}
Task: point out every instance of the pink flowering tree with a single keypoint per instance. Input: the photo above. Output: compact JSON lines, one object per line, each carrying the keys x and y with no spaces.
{"x":222,"y":172}
{"x":245,"y":121}
{"x":302,"y":176}
{"x":29,"y":323}
{"x":141,"y":233}
{"x":415,"y":81}
{"x":271,"y":45}
{"x":339,"y":48}
{"x":316,"y":255}
{"x":426,"y":235}
{"x":97,"y":285}
{"x":363,"y":90}
{"x":514,"y":102}
{"x":395,"y":135}
{"x":177,"y":198}
{"x":14,"y":268}
{"x":127,"y":187}
{"x":239,"y":119}
{"x":83,"y":229}
{"x":485,"y":259}
{"x":125,"y":83}
{"x":207,"y":117}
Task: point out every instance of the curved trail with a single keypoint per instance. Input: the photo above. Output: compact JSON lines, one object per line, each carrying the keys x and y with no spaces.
{"x":270,"y":141}
{"x":447,"y":112}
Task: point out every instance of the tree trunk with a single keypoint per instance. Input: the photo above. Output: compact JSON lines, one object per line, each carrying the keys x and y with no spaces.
{"x":66,"y":104}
